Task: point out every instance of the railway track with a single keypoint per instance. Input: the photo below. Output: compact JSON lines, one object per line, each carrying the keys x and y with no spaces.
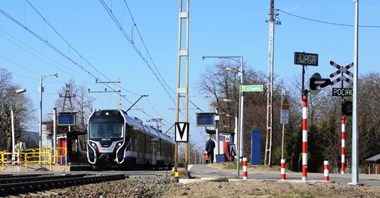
{"x":34,"y":183}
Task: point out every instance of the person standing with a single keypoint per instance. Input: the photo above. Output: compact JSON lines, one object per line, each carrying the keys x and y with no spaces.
{"x":210,"y":145}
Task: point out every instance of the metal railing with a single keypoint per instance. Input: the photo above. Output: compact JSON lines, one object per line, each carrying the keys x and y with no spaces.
{"x":44,"y":156}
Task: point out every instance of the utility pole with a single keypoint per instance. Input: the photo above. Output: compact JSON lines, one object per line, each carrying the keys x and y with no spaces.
{"x":268,"y":143}
{"x":120,"y":106}
{"x":183,"y":58}
{"x":68,"y":95}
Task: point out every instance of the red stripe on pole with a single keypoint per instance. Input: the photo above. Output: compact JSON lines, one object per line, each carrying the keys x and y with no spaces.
{"x":304,"y":147}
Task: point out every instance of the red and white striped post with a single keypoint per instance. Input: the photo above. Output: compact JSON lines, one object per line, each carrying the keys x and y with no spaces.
{"x":326,"y":170}
{"x":245,"y":172}
{"x":283,"y":165}
{"x":304,"y":137}
{"x":343,"y":159}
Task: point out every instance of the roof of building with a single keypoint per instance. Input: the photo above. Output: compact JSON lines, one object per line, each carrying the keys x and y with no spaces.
{"x":373,"y":158}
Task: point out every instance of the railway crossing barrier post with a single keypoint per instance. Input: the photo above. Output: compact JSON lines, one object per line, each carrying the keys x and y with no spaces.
{"x":245,"y":172}
{"x":283,"y":175}
{"x":326,"y":170}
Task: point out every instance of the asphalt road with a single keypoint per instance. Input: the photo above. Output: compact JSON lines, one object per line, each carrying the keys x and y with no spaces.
{"x":206,"y":171}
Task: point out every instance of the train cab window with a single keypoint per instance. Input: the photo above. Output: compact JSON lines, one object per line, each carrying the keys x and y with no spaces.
{"x":109,"y":130}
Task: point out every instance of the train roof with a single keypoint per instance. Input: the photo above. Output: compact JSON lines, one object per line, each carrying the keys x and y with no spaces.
{"x":146,"y":129}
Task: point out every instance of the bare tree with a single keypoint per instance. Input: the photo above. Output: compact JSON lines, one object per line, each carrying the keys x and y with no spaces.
{"x":21,"y":106}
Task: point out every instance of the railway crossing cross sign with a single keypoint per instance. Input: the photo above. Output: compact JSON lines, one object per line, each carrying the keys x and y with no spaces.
{"x":181,"y":131}
{"x":341,"y":70}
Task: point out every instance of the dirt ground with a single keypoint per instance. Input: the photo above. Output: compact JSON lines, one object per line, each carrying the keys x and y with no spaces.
{"x":166,"y":186}
{"x":257,"y":188}
{"x":262,"y":188}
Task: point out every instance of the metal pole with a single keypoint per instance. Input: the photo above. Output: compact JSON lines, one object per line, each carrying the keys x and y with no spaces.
{"x":12,"y":121}
{"x":241,"y":109}
{"x":40,"y":127}
{"x":13,"y":130}
{"x":217,"y":131}
{"x":236,"y":140}
{"x":42,"y":77}
{"x":282,"y":141}
{"x":355,"y":132}
{"x":54,"y":133}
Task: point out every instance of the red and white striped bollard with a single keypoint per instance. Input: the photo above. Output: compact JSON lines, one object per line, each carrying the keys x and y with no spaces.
{"x":343,"y":159}
{"x":283,"y":165}
{"x":304,"y":137}
{"x":326,"y":170}
{"x":245,"y":172}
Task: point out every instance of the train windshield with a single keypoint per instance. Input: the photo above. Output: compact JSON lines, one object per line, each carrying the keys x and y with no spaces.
{"x":106,"y":130}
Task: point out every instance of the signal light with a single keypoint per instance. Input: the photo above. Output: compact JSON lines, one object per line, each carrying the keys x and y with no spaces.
{"x":347,"y":108}
{"x":317,"y":82}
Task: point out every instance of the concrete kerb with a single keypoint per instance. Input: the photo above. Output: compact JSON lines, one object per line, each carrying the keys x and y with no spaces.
{"x":208,"y":179}
{"x":205,"y":179}
{"x":35,"y":168}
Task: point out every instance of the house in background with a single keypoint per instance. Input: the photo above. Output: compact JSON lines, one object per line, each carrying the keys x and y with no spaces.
{"x":373,"y":164}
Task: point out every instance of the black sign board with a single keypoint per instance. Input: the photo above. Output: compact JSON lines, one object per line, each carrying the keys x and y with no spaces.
{"x":65,"y":119}
{"x":302,"y":58}
{"x":342,"y":91}
{"x":205,"y":119}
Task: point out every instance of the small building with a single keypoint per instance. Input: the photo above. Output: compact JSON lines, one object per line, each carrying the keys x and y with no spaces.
{"x":373,"y":164}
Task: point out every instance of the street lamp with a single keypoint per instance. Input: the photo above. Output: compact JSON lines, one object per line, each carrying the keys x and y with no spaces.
{"x":12,"y":120}
{"x":42,"y":78}
{"x":236,"y":142}
{"x":240,"y":72}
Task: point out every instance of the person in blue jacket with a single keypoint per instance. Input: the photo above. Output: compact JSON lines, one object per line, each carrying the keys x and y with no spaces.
{"x":209,"y":147}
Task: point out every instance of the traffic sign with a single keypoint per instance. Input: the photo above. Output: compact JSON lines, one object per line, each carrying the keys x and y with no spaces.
{"x":252,"y":88}
{"x":181,"y":131}
{"x":284,"y":117}
{"x":342,"y":91}
{"x":302,"y":58}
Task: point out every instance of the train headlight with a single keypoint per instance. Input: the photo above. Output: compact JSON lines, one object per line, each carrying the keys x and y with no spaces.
{"x":119,"y":144}
{"x":93,"y":144}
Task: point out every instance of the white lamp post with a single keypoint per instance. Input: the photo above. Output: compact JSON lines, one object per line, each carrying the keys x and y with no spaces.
{"x":240,"y":72}
{"x":236,"y":138}
{"x":42,"y":78}
{"x":12,"y":120}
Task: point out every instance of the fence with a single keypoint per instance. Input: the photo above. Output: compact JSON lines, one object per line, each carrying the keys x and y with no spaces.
{"x":44,"y":156}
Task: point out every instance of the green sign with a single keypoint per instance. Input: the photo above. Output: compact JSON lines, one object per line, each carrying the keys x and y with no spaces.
{"x":252,"y":88}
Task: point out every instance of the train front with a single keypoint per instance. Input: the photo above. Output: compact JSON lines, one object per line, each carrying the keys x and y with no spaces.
{"x":106,"y":138}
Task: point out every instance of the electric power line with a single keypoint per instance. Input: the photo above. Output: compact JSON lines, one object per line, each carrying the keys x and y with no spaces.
{"x":326,"y":22}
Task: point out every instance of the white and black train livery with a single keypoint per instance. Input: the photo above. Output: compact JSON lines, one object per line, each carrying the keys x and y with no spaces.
{"x":114,"y":138}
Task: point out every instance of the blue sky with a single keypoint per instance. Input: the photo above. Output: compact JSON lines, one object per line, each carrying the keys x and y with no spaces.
{"x":230,"y":28}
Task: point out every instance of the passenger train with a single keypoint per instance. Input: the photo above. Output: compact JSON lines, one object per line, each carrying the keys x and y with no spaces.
{"x":116,"y":139}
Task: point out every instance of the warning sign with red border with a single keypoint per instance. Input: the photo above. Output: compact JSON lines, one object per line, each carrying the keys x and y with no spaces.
{"x":284,"y":110}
